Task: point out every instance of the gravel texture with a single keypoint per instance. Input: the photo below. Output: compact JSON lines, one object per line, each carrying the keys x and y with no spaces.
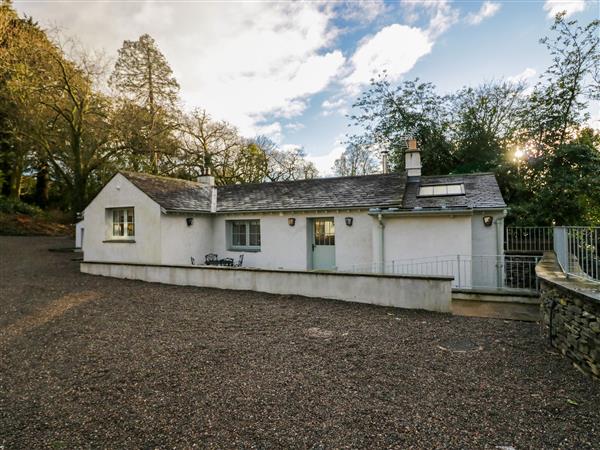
{"x":96,"y":362}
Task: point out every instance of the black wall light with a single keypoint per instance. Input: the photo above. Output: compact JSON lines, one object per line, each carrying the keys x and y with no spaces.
{"x":189,"y":221}
{"x":292,"y":221}
{"x":349,"y":221}
{"x":488,"y":221}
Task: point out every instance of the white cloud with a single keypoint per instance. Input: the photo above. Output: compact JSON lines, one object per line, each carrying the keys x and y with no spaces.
{"x":242,"y":62}
{"x":395,"y":48}
{"x":363,"y":11}
{"x":553,"y":7}
{"x":487,"y":10}
{"x":335,"y":105}
{"x":523,"y":76}
{"x":324,"y":163}
{"x":294,"y":126}
{"x":273,"y":131}
{"x":440,"y":13}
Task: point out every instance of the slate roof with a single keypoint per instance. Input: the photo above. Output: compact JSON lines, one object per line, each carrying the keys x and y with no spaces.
{"x":319,"y":193}
{"x":481,"y":191}
{"x":173,"y":194}
{"x":370,"y":191}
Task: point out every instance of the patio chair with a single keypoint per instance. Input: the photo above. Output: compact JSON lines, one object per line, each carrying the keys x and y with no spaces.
{"x":226,"y":262}
{"x":211,"y":259}
{"x":240,"y":261}
{"x":193,"y":260}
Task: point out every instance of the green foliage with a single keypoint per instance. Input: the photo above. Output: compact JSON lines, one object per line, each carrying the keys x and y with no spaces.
{"x":16,"y":206}
{"x":479,"y":129}
{"x":388,"y":115}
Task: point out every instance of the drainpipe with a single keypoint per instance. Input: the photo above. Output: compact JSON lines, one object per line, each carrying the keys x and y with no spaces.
{"x":500,"y":250}
{"x":381,"y":242}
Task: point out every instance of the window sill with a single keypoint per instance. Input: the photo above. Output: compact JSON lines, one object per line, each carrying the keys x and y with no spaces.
{"x":243,"y":250}
{"x":119,"y":241}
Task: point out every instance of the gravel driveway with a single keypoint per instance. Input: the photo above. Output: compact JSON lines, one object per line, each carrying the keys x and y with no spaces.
{"x":96,"y":362}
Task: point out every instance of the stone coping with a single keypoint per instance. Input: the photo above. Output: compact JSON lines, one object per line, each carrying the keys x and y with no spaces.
{"x":301,"y":272}
{"x":549,"y":270}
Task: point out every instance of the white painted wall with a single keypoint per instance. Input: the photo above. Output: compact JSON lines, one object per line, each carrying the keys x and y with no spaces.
{"x":408,"y":237}
{"x":286,"y":247}
{"x":487,"y":242}
{"x":433,"y":294}
{"x":179,"y":242}
{"x":167,"y":239}
{"x":428,"y":245}
{"x":120,"y":192}
{"x":484,"y":238}
{"x":79,"y":232}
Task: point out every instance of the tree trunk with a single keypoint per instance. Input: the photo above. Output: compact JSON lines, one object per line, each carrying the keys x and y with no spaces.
{"x":42,"y":182}
{"x":15,"y":180}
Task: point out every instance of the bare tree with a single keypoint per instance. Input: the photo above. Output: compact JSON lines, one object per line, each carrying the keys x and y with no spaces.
{"x":355,"y":160}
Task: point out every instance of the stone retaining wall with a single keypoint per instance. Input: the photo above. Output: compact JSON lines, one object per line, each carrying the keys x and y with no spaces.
{"x":570,"y":315}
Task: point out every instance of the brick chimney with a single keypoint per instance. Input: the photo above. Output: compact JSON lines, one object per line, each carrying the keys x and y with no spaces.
{"x":412,"y":159}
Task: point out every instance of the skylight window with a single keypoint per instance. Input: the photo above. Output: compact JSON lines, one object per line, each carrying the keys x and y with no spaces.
{"x":438,"y":190}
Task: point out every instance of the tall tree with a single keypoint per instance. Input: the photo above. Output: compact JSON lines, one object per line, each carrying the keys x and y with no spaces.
{"x":24,"y":50}
{"x":73,"y":127}
{"x":143,"y":76}
{"x":387,"y":115}
{"x":558,"y":105}
{"x":485,"y":120}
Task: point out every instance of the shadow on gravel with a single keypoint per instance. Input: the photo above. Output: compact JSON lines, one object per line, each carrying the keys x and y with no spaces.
{"x":46,"y":314}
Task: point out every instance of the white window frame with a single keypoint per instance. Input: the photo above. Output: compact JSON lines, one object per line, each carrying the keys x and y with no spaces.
{"x":246,"y":222}
{"x":440,"y":190}
{"x":126,"y":222}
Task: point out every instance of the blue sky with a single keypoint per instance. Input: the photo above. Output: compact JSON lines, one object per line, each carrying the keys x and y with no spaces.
{"x":292,"y":70}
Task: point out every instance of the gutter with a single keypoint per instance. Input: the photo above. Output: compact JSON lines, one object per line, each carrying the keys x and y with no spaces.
{"x":430,"y":211}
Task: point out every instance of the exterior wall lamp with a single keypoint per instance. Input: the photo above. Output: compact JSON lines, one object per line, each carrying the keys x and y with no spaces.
{"x":488,"y":220}
{"x":292,"y":221}
{"x":189,"y":221}
{"x":349,"y":221}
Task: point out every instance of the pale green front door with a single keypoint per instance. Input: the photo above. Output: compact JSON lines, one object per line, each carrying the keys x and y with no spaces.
{"x":323,"y":243}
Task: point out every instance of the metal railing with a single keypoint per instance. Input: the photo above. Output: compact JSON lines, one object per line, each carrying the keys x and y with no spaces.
{"x":528,"y":239}
{"x":578,"y":251}
{"x":505,"y":272}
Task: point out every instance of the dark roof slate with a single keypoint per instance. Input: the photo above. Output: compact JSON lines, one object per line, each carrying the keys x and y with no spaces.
{"x":173,"y":194}
{"x":319,"y":193}
{"x":370,"y":191}
{"x":481,"y":191}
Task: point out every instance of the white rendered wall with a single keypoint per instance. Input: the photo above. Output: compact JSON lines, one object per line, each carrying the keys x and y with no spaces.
{"x":79,"y":231}
{"x":180,"y":242}
{"x":120,"y":192}
{"x":413,"y":243}
{"x":487,"y":242}
{"x":408,"y":237}
{"x":286,"y":247}
{"x":433,"y":294}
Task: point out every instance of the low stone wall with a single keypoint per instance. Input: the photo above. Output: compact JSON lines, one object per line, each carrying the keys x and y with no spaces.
{"x":570,"y":315}
{"x":432,"y":293}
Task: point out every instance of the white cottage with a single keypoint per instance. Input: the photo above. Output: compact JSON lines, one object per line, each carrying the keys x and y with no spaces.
{"x":398,"y":222}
